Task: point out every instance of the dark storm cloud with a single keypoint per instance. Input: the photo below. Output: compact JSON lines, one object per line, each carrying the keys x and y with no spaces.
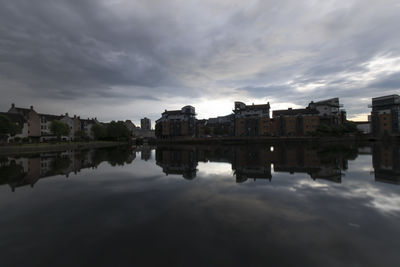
{"x":72,"y":49}
{"x":122,"y":51}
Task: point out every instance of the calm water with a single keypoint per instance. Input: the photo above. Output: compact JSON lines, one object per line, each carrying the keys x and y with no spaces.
{"x":258,"y":205}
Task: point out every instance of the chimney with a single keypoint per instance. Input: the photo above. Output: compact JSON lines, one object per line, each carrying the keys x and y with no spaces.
{"x":31,"y":107}
{"x":74,"y":116}
{"x":66,"y":114}
{"x":79,"y":117}
{"x":12,"y":105}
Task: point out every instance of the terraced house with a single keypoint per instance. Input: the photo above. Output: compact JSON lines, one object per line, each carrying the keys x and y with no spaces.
{"x":36,"y":127}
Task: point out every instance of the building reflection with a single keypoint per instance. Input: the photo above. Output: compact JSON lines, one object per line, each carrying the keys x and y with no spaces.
{"x":386,"y":163}
{"x":28,"y":170}
{"x":178,"y":161}
{"x":248,"y":162}
{"x":260,"y":162}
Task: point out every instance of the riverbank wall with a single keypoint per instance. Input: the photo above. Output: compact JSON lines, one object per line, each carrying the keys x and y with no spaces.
{"x":47,"y":147}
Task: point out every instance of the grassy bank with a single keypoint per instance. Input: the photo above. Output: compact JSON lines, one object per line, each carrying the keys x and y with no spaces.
{"x":60,"y":146}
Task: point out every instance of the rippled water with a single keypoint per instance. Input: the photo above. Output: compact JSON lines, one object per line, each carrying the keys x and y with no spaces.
{"x":264,"y":205}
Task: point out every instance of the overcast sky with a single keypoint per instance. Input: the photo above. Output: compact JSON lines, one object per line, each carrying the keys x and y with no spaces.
{"x":126,"y":59}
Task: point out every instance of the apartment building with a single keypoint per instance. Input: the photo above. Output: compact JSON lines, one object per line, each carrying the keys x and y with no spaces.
{"x":305,"y":121}
{"x":251,"y":120}
{"x":385,"y":115}
{"x":220,"y":126}
{"x":295,"y":122}
{"x":177,"y":123}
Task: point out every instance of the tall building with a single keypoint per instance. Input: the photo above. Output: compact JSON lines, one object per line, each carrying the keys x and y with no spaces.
{"x":177,"y":123}
{"x":385,"y":115}
{"x":145,"y":124}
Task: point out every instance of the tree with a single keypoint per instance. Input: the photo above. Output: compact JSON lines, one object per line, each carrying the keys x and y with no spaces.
{"x":59,"y":128}
{"x":347,"y":128}
{"x":81,"y":135}
{"x":7,"y":127}
{"x":99,"y":131}
{"x":117,"y":131}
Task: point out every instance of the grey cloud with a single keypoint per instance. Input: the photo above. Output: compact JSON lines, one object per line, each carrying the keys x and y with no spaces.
{"x":391,"y":81}
{"x":155,"y":50}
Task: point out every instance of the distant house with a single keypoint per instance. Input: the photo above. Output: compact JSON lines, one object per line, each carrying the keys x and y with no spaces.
{"x":32,"y":119}
{"x":177,"y":123}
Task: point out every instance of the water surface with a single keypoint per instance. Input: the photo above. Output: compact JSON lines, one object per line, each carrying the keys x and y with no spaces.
{"x":286,"y":205}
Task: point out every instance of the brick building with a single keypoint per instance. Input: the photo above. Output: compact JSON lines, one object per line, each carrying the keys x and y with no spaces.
{"x":251,"y":120}
{"x":385,"y":115}
{"x":177,"y":123}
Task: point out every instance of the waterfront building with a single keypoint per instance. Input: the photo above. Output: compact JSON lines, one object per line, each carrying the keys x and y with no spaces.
{"x":220,"y":126}
{"x":251,"y":120}
{"x":385,"y":115}
{"x":71,"y":124}
{"x":305,"y":121}
{"x":86,"y":126}
{"x":176,"y":123}
{"x":32,"y":119}
{"x":45,"y":126}
{"x":296,"y":122}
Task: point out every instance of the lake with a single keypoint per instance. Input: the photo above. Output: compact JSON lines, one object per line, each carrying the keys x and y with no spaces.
{"x":257,"y":205}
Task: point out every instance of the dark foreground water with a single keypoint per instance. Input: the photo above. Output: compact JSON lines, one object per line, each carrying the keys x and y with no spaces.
{"x":281,"y":205}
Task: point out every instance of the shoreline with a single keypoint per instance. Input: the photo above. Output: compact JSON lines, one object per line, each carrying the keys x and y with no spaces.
{"x":47,"y":147}
{"x":255,"y":140}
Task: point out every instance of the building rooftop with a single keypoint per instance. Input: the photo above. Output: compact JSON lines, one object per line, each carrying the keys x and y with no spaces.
{"x":293,"y":112}
{"x":50,"y":117}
